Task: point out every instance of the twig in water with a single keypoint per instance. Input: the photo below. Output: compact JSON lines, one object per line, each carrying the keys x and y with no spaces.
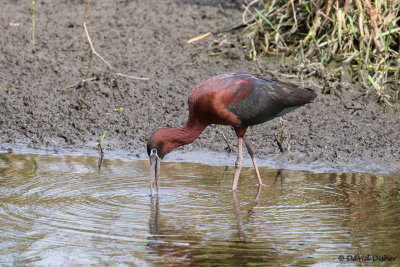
{"x":100,"y":149}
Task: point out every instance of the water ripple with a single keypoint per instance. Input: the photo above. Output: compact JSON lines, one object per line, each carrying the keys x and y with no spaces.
{"x":61,"y":210}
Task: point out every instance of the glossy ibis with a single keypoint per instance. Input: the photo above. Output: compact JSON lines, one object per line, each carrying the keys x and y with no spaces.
{"x":237,"y":99}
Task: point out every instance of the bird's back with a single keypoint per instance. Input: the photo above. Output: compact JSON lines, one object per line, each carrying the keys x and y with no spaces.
{"x":243,"y":99}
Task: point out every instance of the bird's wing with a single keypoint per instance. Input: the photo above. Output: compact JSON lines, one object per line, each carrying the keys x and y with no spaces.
{"x":260,"y":99}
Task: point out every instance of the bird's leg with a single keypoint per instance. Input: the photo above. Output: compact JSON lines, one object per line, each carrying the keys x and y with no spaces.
{"x":251,"y":152}
{"x":238,"y":163}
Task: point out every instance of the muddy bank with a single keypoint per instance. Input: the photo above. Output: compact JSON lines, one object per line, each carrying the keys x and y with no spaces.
{"x":43,"y":102}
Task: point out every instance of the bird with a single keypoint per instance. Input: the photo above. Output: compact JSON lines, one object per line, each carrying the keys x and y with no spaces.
{"x":237,"y":99}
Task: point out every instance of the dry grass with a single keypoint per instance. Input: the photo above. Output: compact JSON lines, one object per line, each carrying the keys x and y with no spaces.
{"x":325,"y":35}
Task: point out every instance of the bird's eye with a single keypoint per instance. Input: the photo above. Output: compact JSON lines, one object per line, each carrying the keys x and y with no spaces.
{"x":154,"y":152}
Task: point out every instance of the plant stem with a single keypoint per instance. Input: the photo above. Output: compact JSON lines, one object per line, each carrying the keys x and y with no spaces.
{"x":33,"y":22}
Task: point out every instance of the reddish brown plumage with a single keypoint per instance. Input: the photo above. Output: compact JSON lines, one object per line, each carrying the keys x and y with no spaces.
{"x":236,"y":99}
{"x":208,"y":100}
{"x":167,"y":139}
{"x":209,"y":103}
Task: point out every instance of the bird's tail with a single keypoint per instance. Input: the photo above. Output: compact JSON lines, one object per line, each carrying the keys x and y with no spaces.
{"x":309,"y":95}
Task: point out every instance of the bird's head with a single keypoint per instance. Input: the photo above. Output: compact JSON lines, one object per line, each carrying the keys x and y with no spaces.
{"x":163,"y":141}
{"x":157,"y":147}
{"x":158,"y":144}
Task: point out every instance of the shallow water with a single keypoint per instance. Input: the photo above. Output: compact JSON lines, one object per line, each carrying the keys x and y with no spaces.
{"x":61,"y":210}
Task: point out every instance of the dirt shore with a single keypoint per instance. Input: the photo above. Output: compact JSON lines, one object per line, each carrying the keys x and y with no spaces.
{"x":44,"y":103}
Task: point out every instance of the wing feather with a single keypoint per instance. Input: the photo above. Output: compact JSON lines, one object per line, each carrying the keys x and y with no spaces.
{"x":268,"y":99}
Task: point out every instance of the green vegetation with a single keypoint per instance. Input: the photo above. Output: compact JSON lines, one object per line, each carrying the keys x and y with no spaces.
{"x":32,"y":10}
{"x":283,"y":137}
{"x":99,"y":139}
{"x":327,"y":36}
{"x":100,"y":150}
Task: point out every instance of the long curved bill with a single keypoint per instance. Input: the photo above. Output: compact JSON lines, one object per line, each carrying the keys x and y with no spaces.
{"x":154,"y":172}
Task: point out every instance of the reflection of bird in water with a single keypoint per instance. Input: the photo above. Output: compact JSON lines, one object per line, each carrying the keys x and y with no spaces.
{"x":174,"y":244}
{"x":238,"y":214}
{"x":237,"y":99}
{"x":163,"y":237}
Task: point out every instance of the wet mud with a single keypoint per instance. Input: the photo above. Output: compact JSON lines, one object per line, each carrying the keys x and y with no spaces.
{"x":51,"y":98}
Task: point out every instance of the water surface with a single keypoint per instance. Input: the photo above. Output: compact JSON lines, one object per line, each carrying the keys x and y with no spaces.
{"x":62,"y":210}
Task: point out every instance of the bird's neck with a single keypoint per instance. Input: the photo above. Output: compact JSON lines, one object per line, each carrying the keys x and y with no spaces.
{"x":176,"y":137}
